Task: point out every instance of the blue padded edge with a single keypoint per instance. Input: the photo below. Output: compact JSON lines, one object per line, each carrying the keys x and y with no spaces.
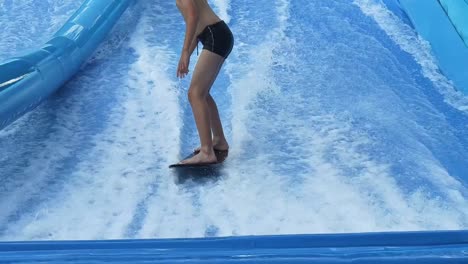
{"x":394,"y":247}
{"x":457,"y":11}
{"x":431,"y":21}
{"x":27,"y":80}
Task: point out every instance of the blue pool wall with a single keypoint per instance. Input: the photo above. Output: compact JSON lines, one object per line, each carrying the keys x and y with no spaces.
{"x":444,"y":25}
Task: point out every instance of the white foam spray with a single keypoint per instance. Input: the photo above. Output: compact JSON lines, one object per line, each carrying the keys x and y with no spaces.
{"x":100,"y":198}
{"x":420,"y":49}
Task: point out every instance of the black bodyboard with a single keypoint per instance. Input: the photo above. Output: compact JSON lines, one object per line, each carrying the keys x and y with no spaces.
{"x":200,"y":172}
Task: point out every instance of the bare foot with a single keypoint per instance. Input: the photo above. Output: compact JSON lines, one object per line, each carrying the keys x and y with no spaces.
{"x":201,"y":158}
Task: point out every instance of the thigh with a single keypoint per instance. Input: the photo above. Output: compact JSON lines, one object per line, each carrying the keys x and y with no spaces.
{"x":205,"y":72}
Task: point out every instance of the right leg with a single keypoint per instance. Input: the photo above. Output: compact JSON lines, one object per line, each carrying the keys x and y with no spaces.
{"x":219,"y":140}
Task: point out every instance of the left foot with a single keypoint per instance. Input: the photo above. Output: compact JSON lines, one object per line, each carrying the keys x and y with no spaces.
{"x":201,"y":158}
{"x":218,"y":146}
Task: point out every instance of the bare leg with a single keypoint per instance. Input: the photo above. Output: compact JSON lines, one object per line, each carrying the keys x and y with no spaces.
{"x":205,"y":73}
{"x":219,"y":140}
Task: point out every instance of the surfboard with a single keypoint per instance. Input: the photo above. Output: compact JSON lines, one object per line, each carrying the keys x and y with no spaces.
{"x":199,"y":173}
{"x":193,"y":166}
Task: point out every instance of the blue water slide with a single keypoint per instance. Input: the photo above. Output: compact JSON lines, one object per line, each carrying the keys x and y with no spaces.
{"x":411,"y":247}
{"x":27,"y":80}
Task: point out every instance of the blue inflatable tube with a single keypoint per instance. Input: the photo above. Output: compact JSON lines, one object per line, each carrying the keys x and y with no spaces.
{"x":27,"y":80}
{"x":405,"y":247}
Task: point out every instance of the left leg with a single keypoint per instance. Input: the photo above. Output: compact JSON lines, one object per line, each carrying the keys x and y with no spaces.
{"x":205,"y":73}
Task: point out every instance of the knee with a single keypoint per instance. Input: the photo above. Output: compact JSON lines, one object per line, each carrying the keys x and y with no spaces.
{"x":195,"y":94}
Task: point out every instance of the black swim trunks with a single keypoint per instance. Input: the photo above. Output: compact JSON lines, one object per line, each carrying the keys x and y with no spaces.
{"x":217,"y":38}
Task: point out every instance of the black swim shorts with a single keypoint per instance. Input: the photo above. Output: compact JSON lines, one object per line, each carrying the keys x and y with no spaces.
{"x":217,"y":38}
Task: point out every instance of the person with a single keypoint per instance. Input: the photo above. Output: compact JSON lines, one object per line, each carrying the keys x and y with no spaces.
{"x":202,"y":24}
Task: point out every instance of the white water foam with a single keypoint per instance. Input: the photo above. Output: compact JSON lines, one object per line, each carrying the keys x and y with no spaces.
{"x":222,"y":8}
{"x":409,"y":41}
{"x":256,"y":74}
{"x":100,"y":198}
{"x":257,"y":199}
{"x":178,"y":212}
{"x":42,"y":20}
{"x":420,"y":49}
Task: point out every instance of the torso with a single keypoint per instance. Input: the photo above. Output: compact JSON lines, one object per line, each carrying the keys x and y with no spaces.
{"x":206,"y":15}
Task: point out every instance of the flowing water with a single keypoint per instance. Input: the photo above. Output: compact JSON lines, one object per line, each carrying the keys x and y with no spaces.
{"x":336,"y":114}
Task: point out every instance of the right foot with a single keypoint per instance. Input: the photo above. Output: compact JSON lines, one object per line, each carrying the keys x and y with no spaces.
{"x":201,"y":158}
